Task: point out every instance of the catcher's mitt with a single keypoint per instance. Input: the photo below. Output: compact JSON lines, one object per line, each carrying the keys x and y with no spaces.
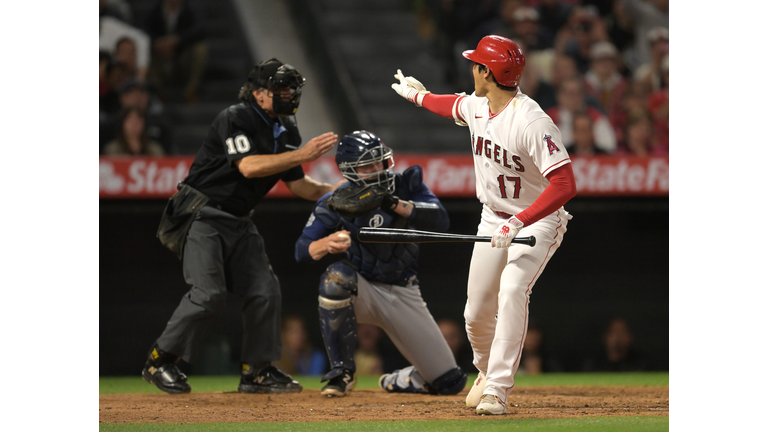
{"x":357,"y":200}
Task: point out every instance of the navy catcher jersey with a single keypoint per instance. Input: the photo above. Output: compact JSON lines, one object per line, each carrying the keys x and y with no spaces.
{"x":380,"y":262}
{"x":238,"y":131}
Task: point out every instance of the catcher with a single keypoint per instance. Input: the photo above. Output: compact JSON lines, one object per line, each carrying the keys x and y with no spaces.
{"x":376,"y":282}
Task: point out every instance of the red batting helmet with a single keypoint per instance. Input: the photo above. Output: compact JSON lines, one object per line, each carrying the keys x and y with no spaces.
{"x":502,"y":56}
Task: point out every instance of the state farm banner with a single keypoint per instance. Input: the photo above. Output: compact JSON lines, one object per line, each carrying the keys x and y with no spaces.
{"x":449,"y":175}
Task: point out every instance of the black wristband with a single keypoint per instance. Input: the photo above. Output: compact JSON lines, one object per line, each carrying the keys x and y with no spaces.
{"x":389,"y":202}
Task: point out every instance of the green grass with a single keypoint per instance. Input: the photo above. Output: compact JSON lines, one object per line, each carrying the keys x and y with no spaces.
{"x":593,"y":424}
{"x":113,"y":385}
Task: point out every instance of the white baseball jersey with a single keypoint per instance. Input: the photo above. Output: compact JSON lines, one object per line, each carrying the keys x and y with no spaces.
{"x":513,"y":150}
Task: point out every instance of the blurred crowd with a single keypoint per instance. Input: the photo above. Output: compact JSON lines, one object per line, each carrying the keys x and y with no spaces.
{"x":615,"y":351}
{"x":143,"y":60}
{"x":599,"y":68}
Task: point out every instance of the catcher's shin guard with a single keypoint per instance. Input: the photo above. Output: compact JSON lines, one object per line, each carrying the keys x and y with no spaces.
{"x":338,"y":323}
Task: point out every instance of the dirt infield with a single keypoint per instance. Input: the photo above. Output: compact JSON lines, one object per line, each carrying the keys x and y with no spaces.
{"x":310,"y":406}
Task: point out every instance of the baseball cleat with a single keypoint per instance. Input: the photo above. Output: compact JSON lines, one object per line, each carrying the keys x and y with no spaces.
{"x":268,"y":380}
{"x":491,"y":404}
{"x":339,"y":386}
{"x":166,"y":377}
{"x":476,"y":392}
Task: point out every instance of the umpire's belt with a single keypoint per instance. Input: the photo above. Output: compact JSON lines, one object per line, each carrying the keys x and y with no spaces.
{"x":406,"y":282}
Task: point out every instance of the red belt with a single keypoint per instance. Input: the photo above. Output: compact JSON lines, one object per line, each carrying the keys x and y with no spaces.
{"x":503,"y":215}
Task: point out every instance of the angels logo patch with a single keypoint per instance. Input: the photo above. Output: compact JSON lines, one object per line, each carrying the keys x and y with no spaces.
{"x":551,"y":146}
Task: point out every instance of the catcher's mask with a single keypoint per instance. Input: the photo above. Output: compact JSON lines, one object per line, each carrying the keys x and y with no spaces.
{"x":273,"y":75}
{"x":363,"y":149}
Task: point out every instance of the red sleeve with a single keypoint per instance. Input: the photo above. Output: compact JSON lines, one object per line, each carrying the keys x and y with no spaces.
{"x":562,"y":187}
{"x":440,"y":104}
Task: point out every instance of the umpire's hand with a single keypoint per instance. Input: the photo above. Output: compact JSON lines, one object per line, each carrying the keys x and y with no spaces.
{"x":318,"y":146}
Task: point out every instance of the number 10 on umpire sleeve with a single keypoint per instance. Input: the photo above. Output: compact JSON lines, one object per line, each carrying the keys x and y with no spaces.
{"x":239,"y":144}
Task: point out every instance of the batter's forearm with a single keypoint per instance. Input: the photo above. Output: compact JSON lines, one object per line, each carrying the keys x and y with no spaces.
{"x":440,"y":104}
{"x":562,"y":187}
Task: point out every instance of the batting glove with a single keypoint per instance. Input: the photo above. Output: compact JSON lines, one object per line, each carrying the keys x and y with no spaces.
{"x":502,"y":237}
{"x":410,"y":88}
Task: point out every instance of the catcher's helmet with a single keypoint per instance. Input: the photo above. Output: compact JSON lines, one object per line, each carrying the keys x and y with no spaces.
{"x":362,"y":148}
{"x":502,"y":56}
{"x":272,"y":74}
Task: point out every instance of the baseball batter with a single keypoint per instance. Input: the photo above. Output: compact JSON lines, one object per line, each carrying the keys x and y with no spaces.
{"x":523,"y":177}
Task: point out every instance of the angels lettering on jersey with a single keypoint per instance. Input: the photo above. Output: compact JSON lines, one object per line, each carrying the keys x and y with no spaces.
{"x":494,"y":152}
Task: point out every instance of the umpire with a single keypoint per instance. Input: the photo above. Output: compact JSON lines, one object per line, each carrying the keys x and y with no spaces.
{"x":208,"y":224}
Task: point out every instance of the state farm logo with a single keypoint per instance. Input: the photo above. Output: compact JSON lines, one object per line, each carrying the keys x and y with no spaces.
{"x":109,"y":181}
{"x":627,"y":176}
{"x":141,"y":177}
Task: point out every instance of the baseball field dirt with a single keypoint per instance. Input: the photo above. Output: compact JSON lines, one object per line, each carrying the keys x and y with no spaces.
{"x":377,"y":405}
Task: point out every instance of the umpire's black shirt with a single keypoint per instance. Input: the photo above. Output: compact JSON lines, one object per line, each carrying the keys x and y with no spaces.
{"x":238,"y":131}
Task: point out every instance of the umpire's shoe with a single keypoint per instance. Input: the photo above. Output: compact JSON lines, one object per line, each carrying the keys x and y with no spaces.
{"x":265,"y":378}
{"x":340,"y":381}
{"x":161,"y":370}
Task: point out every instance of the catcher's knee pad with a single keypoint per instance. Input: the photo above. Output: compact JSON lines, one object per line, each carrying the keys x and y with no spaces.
{"x":339,"y":282}
{"x":338,"y":323}
{"x":449,"y":383}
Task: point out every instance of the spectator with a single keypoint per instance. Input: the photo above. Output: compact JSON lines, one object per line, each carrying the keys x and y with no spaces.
{"x":132,"y":137}
{"x":634,"y":100}
{"x":651,"y":74}
{"x":619,"y":353}
{"x":575,"y":39}
{"x":104,"y":63}
{"x":639,"y":136}
{"x":603,"y":80}
{"x":367,"y":357}
{"x":457,"y":341}
{"x":299,"y":356}
{"x":179,"y":51}
{"x":536,"y":88}
{"x":526,"y":28}
{"x":116,"y":74}
{"x":583,"y":137}
{"x":645,"y":15}
{"x":563,"y":67}
{"x":112,"y":30}
{"x":137,"y":93}
{"x":619,"y":27}
{"x":535,"y":358}
{"x":125,"y":53}
{"x":571,"y":99}
{"x":553,"y":14}
{"x":119,"y":9}
{"x":658,"y":107}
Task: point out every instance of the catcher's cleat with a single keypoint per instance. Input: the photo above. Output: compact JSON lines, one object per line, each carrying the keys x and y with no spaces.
{"x":491,"y":404}
{"x":403,"y":381}
{"x":476,"y":392}
{"x":167,"y":377}
{"x":339,"y":385}
{"x":267,"y":380}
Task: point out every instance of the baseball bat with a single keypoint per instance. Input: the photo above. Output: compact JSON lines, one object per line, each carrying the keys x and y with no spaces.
{"x":397,"y":235}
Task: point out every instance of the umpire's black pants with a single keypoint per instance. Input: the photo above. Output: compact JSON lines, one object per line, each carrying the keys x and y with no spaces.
{"x":225,"y":253}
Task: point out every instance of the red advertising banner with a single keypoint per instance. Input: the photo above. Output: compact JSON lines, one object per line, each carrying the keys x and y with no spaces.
{"x":450,"y":175}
